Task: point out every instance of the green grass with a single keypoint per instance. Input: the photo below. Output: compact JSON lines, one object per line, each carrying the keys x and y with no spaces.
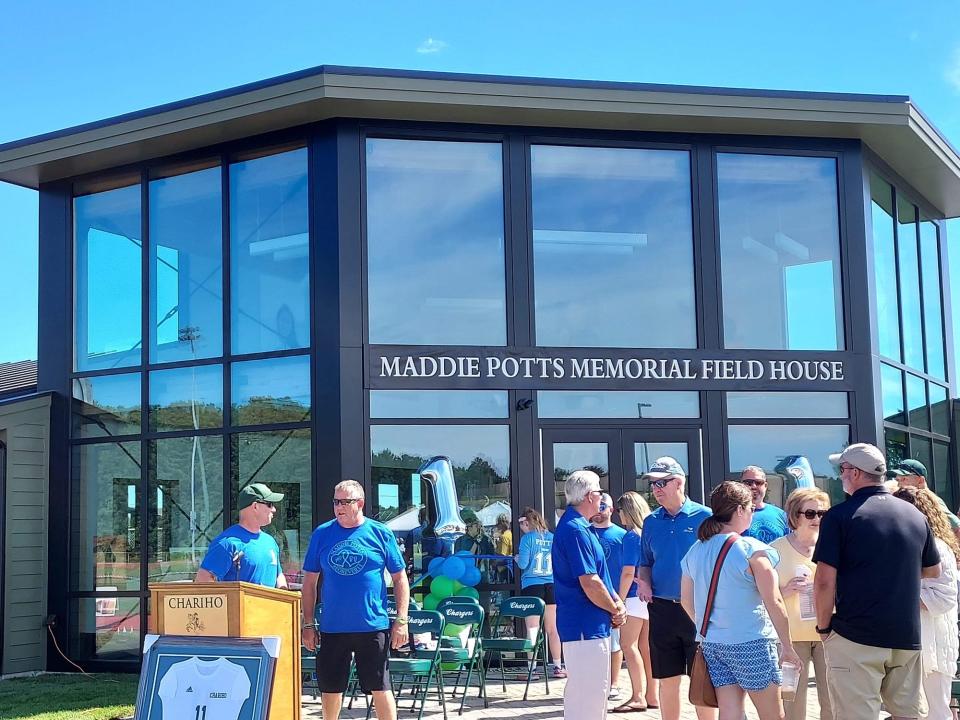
{"x":68,"y":697}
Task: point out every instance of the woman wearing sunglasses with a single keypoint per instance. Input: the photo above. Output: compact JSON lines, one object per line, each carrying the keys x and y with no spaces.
{"x":805,"y":508}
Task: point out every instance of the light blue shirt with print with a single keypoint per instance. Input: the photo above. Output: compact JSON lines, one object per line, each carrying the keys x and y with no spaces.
{"x":738,"y":615}
{"x":534,"y":558}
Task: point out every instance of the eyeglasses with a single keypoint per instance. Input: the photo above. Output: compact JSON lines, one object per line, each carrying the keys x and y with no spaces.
{"x":268,"y":504}
{"x":811,"y":514}
{"x":345,"y":501}
{"x":847,"y":466}
{"x":661,"y":483}
{"x":750,"y":482}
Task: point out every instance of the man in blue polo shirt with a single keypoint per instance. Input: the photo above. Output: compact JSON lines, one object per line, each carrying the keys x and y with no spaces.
{"x":350,"y":554}
{"x":668,"y":533}
{"x":243,"y":551}
{"x":587,"y":605}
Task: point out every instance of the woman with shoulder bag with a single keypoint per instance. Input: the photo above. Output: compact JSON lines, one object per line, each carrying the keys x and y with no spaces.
{"x":747,"y":614}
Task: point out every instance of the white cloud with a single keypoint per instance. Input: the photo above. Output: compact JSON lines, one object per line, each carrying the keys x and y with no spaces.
{"x":952,"y":72}
{"x":430,"y":46}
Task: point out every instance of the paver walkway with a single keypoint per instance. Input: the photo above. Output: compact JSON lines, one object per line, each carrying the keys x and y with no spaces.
{"x":511,"y":706}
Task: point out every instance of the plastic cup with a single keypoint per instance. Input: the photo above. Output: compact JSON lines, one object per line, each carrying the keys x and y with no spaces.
{"x":791,"y":679}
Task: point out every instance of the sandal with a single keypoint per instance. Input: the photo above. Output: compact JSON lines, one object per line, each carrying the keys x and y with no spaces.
{"x":630,"y":706}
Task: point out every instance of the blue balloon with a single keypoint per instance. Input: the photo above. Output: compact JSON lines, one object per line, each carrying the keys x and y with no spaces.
{"x":453,"y":568}
{"x":471,"y":576}
{"x":435,"y":568}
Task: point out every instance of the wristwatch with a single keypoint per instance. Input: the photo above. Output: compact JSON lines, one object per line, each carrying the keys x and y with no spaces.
{"x":402,"y":620}
{"x":308,"y":626}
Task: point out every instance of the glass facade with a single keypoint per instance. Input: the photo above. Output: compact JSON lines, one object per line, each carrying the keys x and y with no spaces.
{"x":485,"y":245}
{"x":910,"y":328}
{"x":150,"y":490}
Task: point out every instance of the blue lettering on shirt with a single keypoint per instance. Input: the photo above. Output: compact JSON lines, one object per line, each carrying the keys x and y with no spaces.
{"x":666,"y":539}
{"x":260,"y":563}
{"x":768,"y":524}
{"x":352,"y":560}
{"x":577,"y":552}
{"x":535,"y":558}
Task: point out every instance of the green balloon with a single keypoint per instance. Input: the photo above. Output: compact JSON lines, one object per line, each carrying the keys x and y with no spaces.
{"x":457,"y":586}
{"x":468,"y":592}
{"x":453,"y":630}
{"x":441,"y":587}
{"x":431,"y":601}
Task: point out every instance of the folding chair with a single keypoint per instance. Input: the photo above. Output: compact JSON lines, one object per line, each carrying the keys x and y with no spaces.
{"x":503,"y":640}
{"x":464,"y":649}
{"x":421,"y":668}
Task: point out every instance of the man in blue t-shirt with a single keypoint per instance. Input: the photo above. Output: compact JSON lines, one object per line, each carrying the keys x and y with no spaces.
{"x":243,"y":551}
{"x":668,"y":533}
{"x":587,"y":604}
{"x":350,"y":554}
{"x":611,"y":540}
{"x":769,"y":522}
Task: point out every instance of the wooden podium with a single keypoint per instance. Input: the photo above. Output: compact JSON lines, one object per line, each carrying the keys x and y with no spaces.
{"x":237,"y":609}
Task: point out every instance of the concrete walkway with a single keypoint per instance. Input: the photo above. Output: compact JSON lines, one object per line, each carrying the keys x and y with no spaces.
{"x":511,"y":706}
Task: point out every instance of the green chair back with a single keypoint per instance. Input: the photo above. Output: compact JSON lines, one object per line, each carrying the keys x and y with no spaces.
{"x":522,"y":606}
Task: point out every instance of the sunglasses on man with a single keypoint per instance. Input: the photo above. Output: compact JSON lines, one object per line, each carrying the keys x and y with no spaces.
{"x":750,"y":482}
{"x":268,"y":504}
{"x":345,"y":501}
{"x":661,"y":483}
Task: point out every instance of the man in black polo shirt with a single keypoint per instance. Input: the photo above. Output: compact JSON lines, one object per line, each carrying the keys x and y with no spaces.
{"x":873,"y":550}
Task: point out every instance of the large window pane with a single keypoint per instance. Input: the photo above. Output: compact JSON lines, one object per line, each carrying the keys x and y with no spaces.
{"x":917,"y":402}
{"x":186,"y":268}
{"x":891,"y":385}
{"x":270,"y":253}
{"x":438,"y":404}
{"x":271,"y":391}
{"x":480,"y":460}
{"x":617,"y":404}
{"x":107,"y":405}
{"x":107,"y":279}
{"x":776,"y":447}
{"x":105,"y":528}
{"x":909,"y":262}
{"x":184,"y":505}
{"x":186,"y":398}
{"x":885,"y":267}
{"x":435,"y":243}
{"x":787,"y":404}
{"x":939,"y":409}
{"x":106,"y":628}
{"x":571,"y":456}
{"x":780,"y":252}
{"x":281,"y":460}
{"x":932,"y":305}
{"x":605,"y":222}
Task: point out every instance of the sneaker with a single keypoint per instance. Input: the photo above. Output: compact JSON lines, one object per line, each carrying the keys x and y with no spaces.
{"x":557,"y":671}
{"x":614,"y":694}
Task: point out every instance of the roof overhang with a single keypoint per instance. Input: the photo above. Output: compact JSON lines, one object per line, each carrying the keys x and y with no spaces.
{"x":890,"y":125}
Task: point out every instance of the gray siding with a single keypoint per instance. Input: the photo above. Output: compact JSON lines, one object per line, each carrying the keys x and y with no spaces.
{"x":25,"y":428}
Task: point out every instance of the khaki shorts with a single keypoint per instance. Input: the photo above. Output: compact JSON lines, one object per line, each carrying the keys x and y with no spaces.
{"x":859,"y":676}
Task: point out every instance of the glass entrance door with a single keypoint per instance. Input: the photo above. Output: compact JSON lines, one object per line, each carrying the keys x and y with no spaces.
{"x":618,"y":456}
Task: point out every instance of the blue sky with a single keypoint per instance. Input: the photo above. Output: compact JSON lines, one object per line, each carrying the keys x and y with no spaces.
{"x":64,"y":63}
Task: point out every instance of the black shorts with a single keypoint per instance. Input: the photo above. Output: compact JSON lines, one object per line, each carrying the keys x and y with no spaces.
{"x":544,"y":592}
{"x":673,"y":639}
{"x":371,"y":650}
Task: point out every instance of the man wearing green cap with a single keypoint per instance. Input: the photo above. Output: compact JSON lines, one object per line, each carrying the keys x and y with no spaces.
{"x":242,"y":551}
{"x":913,"y":473}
